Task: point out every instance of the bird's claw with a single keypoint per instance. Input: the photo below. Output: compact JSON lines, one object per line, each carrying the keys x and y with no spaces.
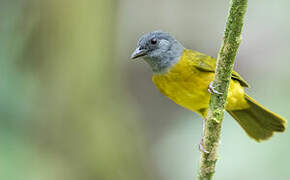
{"x":212,"y":90}
{"x":201,"y":148}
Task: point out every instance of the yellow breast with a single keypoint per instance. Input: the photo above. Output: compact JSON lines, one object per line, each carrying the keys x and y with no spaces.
{"x":187,"y":86}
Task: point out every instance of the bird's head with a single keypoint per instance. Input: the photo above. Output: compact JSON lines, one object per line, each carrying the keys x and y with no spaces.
{"x":159,"y":49}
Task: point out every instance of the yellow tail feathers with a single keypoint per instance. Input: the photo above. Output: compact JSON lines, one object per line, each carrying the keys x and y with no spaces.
{"x":258,"y":122}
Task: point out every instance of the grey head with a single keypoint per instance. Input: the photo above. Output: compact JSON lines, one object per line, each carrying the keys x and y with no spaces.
{"x":159,"y":49}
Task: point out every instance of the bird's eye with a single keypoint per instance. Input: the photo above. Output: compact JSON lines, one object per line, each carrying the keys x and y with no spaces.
{"x":153,"y":41}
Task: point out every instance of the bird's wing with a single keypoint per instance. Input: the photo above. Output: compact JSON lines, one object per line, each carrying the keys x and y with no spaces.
{"x":239,"y":78}
{"x":206,"y":63}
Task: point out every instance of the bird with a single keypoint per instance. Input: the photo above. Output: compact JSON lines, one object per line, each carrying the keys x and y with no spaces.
{"x":185,"y":76}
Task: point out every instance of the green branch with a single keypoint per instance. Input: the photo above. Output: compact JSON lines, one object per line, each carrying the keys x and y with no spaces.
{"x":225,"y":62}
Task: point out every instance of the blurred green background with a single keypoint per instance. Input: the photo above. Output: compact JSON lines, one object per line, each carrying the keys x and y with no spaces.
{"x":74,"y":106}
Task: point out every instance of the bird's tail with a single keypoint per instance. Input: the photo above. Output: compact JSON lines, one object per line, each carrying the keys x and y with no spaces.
{"x":258,"y":122}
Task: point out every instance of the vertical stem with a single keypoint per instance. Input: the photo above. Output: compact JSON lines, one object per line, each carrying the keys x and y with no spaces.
{"x":224,"y":67}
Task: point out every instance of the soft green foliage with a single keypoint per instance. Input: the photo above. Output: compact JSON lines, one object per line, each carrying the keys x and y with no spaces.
{"x":61,"y":103}
{"x":225,"y":63}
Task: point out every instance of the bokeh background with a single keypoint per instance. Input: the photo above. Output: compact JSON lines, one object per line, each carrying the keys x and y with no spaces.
{"x":74,"y":106}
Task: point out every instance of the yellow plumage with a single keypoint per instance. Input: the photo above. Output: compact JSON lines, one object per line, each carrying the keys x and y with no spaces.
{"x":187,"y":81}
{"x":187,"y":85}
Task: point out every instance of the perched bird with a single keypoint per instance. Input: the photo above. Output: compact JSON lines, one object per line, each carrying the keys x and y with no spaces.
{"x":184,"y":76}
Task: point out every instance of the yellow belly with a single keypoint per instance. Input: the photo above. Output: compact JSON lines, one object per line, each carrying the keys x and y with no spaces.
{"x":188,"y":87}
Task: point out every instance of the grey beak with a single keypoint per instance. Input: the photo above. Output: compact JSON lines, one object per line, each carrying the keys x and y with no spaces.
{"x":138,"y":53}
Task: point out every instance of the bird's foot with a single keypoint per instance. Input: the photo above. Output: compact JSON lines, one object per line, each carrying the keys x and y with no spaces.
{"x":212,"y":90}
{"x":201,"y":148}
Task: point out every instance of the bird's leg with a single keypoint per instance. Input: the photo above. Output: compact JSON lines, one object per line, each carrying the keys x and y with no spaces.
{"x":201,"y":148}
{"x":211,"y":89}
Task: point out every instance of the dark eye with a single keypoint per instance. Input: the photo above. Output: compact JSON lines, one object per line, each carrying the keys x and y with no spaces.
{"x":153,"y":41}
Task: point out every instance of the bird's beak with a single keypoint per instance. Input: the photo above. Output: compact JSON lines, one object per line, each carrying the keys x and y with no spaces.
{"x":138,"y":53}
